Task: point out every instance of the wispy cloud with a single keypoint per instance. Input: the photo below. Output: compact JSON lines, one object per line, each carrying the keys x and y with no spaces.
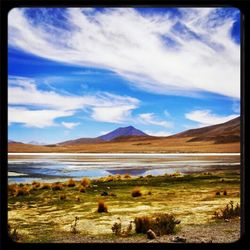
{"x":186,"y":54}
{"x":206,"y":117}
{"x":34,"y":107}
{"x":149,"y":118}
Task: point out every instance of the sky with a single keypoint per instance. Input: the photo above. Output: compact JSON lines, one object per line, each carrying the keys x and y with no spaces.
{"x":83,"y":72}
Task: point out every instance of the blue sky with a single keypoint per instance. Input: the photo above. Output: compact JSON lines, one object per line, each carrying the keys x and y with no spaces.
{"x":84,"y":72}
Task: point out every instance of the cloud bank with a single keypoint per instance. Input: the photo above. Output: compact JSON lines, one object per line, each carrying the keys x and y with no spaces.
{"x":184,"y":54}
{"x":34,"y":107}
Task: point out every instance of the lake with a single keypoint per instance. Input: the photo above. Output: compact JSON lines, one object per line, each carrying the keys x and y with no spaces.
{"x":28,"y":167}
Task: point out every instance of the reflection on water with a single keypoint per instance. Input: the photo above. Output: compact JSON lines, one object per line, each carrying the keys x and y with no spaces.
{"x":53,"y":168}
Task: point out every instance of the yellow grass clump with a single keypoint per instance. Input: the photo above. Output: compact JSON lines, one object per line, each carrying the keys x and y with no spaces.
{"x":56,"y":186}
{"x":71,"y":183}
{"x":102,"y":207}
{"x":127,"y":176}
{"x":62,"y":196}
{"x":36,"y":184}
{"x":45,"y":186}
{"x":85,"y":182}
{"x":82,"y":189}
{"x":136,"y":192}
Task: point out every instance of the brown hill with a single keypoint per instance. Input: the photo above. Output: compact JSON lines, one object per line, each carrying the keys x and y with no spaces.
{"x":221,"y":133}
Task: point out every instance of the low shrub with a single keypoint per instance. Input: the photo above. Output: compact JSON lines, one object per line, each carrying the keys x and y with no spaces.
{"x":12,"y":189}
{"x":136,"y":192}
{"x":109,"y":178}
{"x":36,"y":184}
{"x":118,"y":177}
{"x":118,"y":231}
{"x":82,"y":189}
{"x":62,"y":196}
{"x":117,"y":228}
{"x":56,"y":186}
{"x":21,"y":191}
{"x":143,"y":224}
{"x":71,"y":183}
{"x":102,"y":207}
{"x":127,"y":176}
{"x":45,"y":186}
{"x":228,"y":212}
{"x":161,"y":224}
{"x":85,"y":182}
{"x":73,"y":227}
{"x":13,"y":234}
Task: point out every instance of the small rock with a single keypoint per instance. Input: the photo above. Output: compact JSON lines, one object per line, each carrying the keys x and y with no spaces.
{"x":227,"y":220}
{"x":108,"y":187}
{"x":179,"y":239}
{"x":151,"y":234}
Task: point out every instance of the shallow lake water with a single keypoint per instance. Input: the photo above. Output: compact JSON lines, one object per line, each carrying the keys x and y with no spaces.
{"x":55,"y":167}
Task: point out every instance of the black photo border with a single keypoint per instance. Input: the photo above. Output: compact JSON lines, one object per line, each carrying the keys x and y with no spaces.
{"x":6,"y":6}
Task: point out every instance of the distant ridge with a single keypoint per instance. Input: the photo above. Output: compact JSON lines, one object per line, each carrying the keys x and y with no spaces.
{"x":220,"y":133}
{"x":220,"y":138}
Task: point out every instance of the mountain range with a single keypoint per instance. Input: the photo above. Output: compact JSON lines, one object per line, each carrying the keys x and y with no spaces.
{"x":224,"y":137}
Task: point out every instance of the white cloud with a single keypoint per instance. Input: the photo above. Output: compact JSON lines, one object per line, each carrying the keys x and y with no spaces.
{"x":113,"y":114}
{"x":39,"y":108}
{"x":206,"y":117}
{"x":35,"y":118}
{"x":70,"y":125}
{"x":149,"y":118}
{"x":159,"y":133}
{"x":137,"y":47}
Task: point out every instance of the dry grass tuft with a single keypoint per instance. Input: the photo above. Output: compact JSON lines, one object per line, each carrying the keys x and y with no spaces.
{"x":136,"y":192}
{"x":102,"y":207}
{"x":228,"y":212}
{"x":56,"y":186}
{"x":21,"y":191}
{"x":109,"y":178}
{"x":62,"y":196}
{"x":160,"y":223}
{"x":82,"y":189}
{"x":45,"y":186}
{"x":127,"y":176}
{"x":13,"y":234}
{"x":12,"y":189}
{"x":36,"y":184}
{"x":85,"y":182}
{"x":71,"y":183}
